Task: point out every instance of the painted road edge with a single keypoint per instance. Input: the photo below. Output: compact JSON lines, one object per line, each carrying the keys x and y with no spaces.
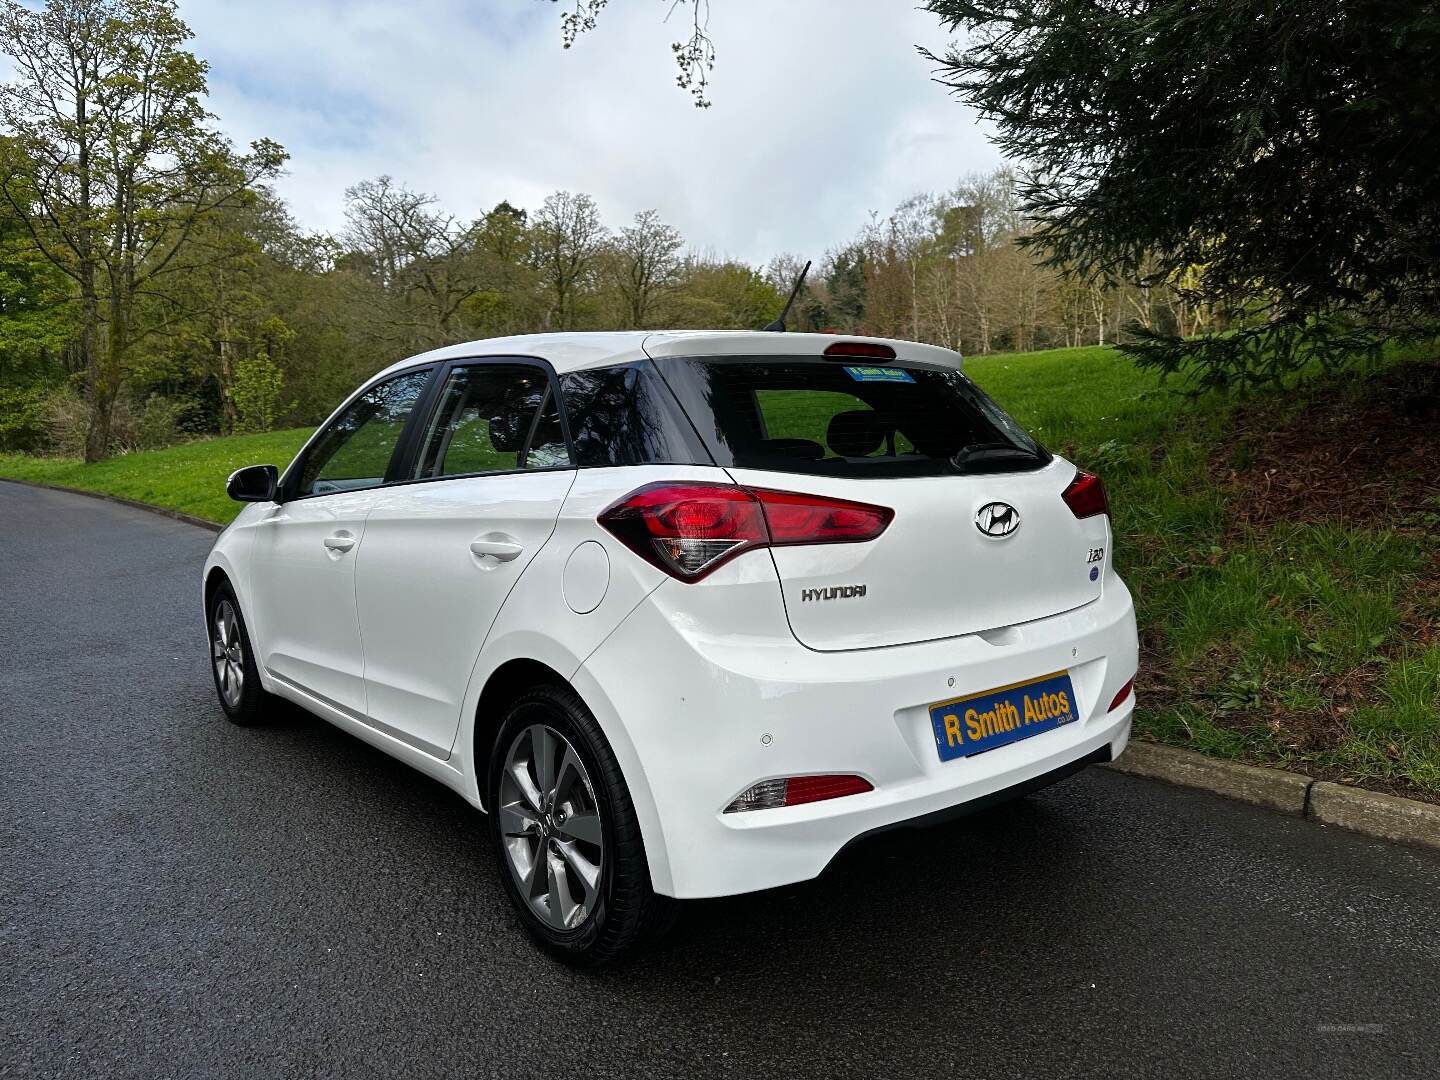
{"x":1405,"y":821}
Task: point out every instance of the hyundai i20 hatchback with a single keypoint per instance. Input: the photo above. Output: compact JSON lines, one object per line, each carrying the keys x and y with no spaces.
{"x":686,"y":613}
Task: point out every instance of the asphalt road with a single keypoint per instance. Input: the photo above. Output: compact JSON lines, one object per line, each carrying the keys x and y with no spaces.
{"x":181,"y":897}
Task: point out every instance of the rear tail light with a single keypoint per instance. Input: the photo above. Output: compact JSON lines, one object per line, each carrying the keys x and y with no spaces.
{"x":795,"y":790}
{"x":1125,"y":692}
{"x":689,"y":529}
{"x":1086,"y":495}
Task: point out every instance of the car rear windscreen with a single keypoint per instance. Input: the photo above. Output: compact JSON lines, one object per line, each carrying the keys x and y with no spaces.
{"x":833,"y":419}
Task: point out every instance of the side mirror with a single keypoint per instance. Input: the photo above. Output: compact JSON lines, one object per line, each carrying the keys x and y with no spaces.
{"x":254,"y":483}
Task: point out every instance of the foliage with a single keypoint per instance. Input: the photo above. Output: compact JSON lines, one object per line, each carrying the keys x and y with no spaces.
{"x":1269,"y":159}
{"x":694,"y":57}
{"x":110,"y":165}
{"x":258,"y":385}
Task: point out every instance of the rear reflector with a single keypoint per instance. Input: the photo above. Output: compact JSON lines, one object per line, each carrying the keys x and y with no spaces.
{"x":869,"y":349}
{"x":1086,"y":495}
{"x":689,"y":529}
{"x":1125,"y":692}
{"x":795,"y":790}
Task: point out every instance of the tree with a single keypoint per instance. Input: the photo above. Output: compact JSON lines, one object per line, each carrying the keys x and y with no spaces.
{"x":1275,"y":153}
{"x":423,"y":257}
{"x":643,"y":265}
{"x":694,"y":57}
{"x":111,"y":166}
{"x":566,"y":239}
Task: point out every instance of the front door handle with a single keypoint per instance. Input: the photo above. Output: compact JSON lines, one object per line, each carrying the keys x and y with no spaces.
{"x":499,"y":550}
{"x":340,"y":543}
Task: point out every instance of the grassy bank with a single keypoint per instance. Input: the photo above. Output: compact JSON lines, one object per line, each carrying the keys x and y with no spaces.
{"x":189,"y":477}
{"x":1281,"y":550}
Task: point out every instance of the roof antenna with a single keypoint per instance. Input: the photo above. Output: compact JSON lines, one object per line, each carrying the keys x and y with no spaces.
{"x":778,"y":326}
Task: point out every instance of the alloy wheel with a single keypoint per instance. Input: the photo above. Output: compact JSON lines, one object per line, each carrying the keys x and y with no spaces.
{"x":228,"y":654}
{"x":550,"y":821}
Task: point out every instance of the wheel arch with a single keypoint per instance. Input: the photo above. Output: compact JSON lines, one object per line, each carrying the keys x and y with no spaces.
{"x":505,"y":683}
{"x":522,"y":671}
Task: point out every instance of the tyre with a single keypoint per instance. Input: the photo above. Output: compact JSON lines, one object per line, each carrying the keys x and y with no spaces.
{"x":232,"y":661}
{"x":566,"y":834}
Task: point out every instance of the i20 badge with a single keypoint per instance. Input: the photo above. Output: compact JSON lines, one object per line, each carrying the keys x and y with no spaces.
{"x":997,"y":519}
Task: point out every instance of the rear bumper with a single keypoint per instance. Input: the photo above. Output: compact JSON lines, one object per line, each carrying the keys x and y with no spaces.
{"x":697,"y":717}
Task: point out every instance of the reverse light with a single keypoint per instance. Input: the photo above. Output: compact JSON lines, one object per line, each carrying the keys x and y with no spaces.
{"x":868,"y":349}
{"x":1125,"y":692}
{"x":1086,"y":495}
{"x":796,"y":790}
{"x":690,"y":529}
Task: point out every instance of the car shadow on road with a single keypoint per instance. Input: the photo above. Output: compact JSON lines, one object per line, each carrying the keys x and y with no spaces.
{"x":987,"y":874}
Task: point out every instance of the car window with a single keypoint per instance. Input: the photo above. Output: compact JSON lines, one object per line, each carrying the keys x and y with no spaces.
{"x":492,"y":418}
{"x":354,"y":451}
{"x":804,"y":415}
{"x":626,"y":415}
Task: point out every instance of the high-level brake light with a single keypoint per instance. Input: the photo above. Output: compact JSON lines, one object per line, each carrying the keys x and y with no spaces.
{"x":866,"y":349}
{"x":690,"y":529}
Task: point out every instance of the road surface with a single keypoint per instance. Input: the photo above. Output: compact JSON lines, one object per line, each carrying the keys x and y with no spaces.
{"x":184,"y":898}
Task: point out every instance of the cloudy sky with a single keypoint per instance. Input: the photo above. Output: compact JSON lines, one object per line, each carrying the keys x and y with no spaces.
{"x":822,"y":112}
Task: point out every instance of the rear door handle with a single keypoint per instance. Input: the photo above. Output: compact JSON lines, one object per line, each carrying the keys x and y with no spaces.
{"x":499,"y":550}
{"x":339,"y":543}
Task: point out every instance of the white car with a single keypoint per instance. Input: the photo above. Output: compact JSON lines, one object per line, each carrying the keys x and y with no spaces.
{"x":687,"y":613}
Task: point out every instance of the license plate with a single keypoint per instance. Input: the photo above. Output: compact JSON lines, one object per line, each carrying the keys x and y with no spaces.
{"x":980,"y":722}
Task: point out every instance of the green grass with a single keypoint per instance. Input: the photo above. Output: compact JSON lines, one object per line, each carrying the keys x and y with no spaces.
{"x":189,"y":477}
{"x":1292,"y":645}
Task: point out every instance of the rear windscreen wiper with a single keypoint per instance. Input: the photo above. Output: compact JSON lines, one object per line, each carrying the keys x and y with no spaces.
{"x":979,"y":457}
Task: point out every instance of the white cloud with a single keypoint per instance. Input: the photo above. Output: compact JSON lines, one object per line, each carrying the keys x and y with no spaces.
{"x":822,"y":112}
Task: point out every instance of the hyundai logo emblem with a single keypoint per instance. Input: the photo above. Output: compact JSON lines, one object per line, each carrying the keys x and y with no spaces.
{"x":997,"y":519}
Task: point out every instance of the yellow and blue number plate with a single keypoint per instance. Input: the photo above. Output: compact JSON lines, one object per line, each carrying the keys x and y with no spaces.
{"x":980,"y":722}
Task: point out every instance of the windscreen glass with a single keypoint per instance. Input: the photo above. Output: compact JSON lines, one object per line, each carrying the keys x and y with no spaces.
{"x":834,"y":419}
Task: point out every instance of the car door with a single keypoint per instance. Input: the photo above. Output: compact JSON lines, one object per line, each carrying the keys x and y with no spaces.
{"x":485,"y":480}
{"x":303,"y":558}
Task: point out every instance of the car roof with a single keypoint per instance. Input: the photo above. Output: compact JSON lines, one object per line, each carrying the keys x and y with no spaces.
{"x":579,"y":351}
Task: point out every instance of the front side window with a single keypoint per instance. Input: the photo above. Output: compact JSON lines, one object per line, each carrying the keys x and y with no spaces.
{"x":354,"y":452}
{"x":492,"y":418}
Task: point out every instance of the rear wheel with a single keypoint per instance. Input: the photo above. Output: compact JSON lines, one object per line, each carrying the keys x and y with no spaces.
{"x":232,"y":661}
{"x":566,"y":834}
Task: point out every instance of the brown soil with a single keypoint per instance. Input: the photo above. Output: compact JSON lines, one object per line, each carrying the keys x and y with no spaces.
{"x":1364,"y":454}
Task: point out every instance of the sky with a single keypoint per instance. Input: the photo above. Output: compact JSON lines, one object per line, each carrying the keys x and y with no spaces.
{"x":822,"y":110}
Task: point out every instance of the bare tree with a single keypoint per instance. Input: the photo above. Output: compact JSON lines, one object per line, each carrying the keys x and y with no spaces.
{"x":423,"y":258}
{"x":566,"y":241}
{"x":644,"y":265}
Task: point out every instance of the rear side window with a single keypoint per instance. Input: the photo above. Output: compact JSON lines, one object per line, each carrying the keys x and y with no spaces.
{"x":626,"y":415}
{"x":492,"y":418}
{"x":826,"y":418}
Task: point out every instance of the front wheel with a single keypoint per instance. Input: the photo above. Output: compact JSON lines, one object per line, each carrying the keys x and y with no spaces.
{"x":232,"y":661}
{"x":566,"y":833}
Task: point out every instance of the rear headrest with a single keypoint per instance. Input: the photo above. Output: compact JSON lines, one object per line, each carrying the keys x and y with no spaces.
{"x":857,"y":433}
